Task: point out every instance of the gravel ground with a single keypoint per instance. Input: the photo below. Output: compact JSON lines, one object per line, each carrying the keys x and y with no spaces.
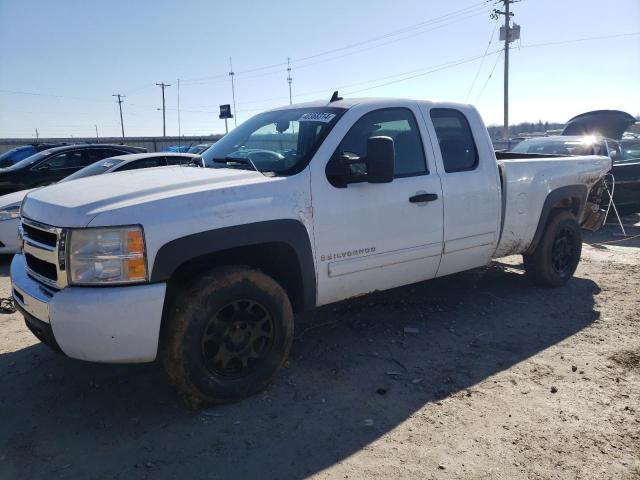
{"x":476,"y":375}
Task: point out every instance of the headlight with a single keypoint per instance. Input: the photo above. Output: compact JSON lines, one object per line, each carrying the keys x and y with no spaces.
{"x":107,"y":256}
{"x":10,"y":212}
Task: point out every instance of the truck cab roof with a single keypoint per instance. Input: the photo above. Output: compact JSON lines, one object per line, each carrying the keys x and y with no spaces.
{"x":348,"y":103}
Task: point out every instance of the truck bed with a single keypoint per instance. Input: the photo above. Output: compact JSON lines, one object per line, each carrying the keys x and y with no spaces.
{"x":526,"y":181}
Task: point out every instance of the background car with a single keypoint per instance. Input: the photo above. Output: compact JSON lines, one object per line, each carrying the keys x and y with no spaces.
{"x":178,"y":149}
{"x":16,"y":154}
{"x":50,"y":166}
{"x":10,"y":204}
{"x":630,"y":148}
{"x":200,"y":148}
{"x":563,"y":145}
{"x":599,"y":132}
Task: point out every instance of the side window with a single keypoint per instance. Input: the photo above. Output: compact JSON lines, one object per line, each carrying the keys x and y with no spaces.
{"x":178,"y":160}
{"x":67,"y":160}
{"x":615,"y":151}
{"x":401,"y":126}
{"x":143,"y":163}
{"x":93,"y":155}
{"x":459,"y":152}
{"x":110,"y":152}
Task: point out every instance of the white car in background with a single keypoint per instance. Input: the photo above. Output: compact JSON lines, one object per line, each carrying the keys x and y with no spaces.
{"x":10,"y":203}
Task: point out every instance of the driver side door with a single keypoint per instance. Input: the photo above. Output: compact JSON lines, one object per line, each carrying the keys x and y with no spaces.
{"x":376,"y":236}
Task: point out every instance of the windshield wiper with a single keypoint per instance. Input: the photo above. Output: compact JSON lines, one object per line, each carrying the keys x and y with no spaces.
{"x":241,"y":160}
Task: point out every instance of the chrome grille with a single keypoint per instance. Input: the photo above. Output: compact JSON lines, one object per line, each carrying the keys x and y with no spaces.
{"x":44,"y":251}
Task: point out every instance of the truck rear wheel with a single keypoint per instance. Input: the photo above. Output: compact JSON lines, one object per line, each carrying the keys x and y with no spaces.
{"x":227,"y":334}
{"x":555,"y":259}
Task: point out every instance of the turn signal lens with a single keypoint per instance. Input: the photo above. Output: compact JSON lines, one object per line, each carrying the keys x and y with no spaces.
{"x":136,"y":269}
{"x":135,"y":242}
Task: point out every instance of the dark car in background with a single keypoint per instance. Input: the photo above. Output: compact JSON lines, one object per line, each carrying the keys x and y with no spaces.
{"x":16,"y":154}
{"x":10,"y":203}
{"x":566,"y":145}
{"x":49,"y":166}
{"x":630,"y":148}
{"x":598,"y":133}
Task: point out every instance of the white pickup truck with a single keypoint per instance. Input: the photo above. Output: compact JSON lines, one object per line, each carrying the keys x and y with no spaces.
{"x":299,"y":207}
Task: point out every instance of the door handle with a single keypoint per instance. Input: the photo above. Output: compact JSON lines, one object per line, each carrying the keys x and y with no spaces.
{"x":423,"y":197}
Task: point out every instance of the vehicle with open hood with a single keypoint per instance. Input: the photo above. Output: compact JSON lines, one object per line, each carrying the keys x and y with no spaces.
{"x":598,"y":133}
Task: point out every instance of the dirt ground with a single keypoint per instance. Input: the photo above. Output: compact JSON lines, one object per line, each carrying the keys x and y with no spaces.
{"x":477,"y":375}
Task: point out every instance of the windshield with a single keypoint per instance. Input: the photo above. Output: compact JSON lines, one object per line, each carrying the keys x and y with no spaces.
{"x":198,"y":148}
{"x":96,"y":168}
{"x":281,"y":142}
{"x":16,"y":154}
{"x":560,"y":147}
{"x":36,"y":157}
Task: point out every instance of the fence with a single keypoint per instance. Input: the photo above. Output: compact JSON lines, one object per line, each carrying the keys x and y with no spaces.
{"x":152,"y":144}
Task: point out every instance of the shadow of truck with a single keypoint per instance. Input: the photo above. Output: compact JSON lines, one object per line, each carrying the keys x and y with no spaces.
{"x":354,"y":375}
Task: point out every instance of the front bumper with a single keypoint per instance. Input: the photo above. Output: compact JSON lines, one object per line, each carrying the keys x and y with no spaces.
{"x":100,"y":324}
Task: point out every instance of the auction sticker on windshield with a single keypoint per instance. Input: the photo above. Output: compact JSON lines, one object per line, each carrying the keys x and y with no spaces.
{"x":323,"y":117}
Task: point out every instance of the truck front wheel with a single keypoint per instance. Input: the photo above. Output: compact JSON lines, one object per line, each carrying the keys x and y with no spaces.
{"x":556,"y":257}
{"x":227,"y":334}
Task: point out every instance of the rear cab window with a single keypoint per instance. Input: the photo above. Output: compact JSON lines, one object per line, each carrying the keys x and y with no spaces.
{"x":455,"y":138}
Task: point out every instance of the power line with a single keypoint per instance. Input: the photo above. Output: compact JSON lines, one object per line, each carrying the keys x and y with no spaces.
{"x":443,"y":67}
{"x":475,"y":78}
{"x":442,"y":18}
{"x":355,"y":52}
{"x":396,"y":32}
{"x":435,"y":67}
{"x":36,"y":94}
{"x":489,"y":77}
{"x":576,"y":40}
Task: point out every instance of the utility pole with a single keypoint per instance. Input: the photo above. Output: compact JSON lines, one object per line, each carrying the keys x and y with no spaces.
{"x":179,"y":128}
{"x":164,"y":125}
{"x":233,"y":92}
{"x":289,"y":79}
{"x":97,"y":137}
{"x":508,"y":35}
{"x":37,"y":134}
{"x":120,"y":97}
{"x":505,"y":128}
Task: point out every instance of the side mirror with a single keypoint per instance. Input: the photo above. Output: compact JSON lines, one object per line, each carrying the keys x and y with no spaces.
{"x":380,"y":160}
{"x":613,"y":154}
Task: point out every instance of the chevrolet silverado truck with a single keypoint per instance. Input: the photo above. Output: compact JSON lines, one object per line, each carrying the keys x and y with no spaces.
{"x":302,"y":206}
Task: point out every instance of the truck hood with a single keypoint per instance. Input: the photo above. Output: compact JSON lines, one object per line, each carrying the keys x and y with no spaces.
{"x":608,"y":123}
{"x":77,"y":202}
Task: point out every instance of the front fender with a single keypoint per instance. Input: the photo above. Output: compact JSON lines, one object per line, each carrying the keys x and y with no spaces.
{"x":292,"y":232}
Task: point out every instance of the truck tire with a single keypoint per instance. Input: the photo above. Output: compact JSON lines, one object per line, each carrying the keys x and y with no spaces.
{"x":557,"y":255}
{"x":227,"y":334}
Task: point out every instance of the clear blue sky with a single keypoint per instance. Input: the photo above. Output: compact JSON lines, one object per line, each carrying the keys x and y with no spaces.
{"x":76,"y":53}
